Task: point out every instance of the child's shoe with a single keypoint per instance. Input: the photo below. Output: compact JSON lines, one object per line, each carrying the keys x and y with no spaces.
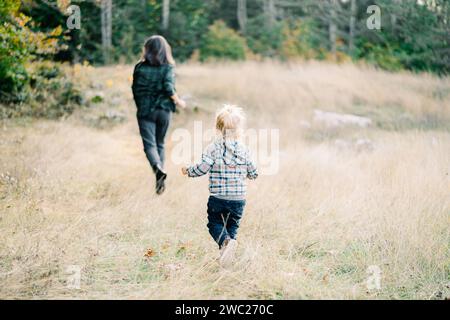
{"x":227,"y":252}
{"x":224,"y":244}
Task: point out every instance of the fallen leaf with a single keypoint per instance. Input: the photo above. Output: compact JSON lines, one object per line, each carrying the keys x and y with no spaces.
{"x":149,"y":253}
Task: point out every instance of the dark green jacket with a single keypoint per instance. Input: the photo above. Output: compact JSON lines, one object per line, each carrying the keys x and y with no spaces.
{"x":152,"y":88}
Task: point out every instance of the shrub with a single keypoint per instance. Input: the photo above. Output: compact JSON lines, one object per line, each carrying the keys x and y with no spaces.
{"x":290,"y":39}
{"x":29,"y":86}
{"x":19,"y":44}
{"x":50,"y":93}
{"x":297,"y":41}
{"x":264,"y":39}
{"x":221,"y":42}
{"x":383,"y":57}
{"x":14,"y":51}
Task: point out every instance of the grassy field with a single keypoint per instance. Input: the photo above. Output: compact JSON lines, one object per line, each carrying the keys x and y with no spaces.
{"x":79,"y":191}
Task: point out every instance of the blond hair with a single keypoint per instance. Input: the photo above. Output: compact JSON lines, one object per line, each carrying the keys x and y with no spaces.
{"x":230,"y":121}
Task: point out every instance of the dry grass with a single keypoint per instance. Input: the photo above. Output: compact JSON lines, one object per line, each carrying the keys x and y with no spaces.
{"x":75,"y":194}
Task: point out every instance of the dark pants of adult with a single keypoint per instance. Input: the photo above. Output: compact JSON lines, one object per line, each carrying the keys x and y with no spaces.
{"x":153,"y":129}
{"x":224,"y":217}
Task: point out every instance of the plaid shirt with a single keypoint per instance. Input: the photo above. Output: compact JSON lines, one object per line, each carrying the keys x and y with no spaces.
{"x":228,"y":164}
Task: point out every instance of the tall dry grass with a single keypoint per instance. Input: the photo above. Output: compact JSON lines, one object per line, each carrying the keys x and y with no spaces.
{"x":76,"y":194}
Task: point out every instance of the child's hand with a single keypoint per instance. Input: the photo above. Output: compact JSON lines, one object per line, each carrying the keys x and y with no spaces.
{"x":184,"y":170}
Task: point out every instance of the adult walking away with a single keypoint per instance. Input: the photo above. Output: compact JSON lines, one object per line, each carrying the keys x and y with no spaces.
{"x":156,"y":98}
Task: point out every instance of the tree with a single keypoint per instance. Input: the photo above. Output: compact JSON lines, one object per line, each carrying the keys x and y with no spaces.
{"x":269,"y":11}
{"x":222,"y":42}
{"x":165,"y":14}
{"x":351,"y":41}
{"x":333,"y":28}
{"x":106,"y":23}
{"x":414,"y":35}
{"x":188,"y":26}
{"x":242,"y":14}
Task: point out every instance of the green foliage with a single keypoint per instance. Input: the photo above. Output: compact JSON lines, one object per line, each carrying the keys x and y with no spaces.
{"x":19,"y":45}
{"x":297,"y":41}
{"x":97,"y":99}
{"x":384,"y":57}
{"x":14,"y":50}
{"x":289,"y":39}
{"x":87,"y":42}
{"x":39,"y":88}
{"x":414,"y":36}
{"x":416,"y":39}
{"x":50,"y":93}
{"x":264,"y":39}
{"x":222,"y":42}
{"x":13,"y":54}
{"x":8,"y":7}
{"x":133,"y":21}
{"x":53,"y":98}
{"x":188,"y":23}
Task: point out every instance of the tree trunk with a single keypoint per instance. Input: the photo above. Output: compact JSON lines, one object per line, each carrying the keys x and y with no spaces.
{"x":351,"y":42}
{"x":242,"y":14}
{"x":396,"y":6}
{"x":106,"y":21}
{"x":447,"y":13}
{"x":269,"y":11}
{"x":165,"y":14}
{"x":333,"y":28}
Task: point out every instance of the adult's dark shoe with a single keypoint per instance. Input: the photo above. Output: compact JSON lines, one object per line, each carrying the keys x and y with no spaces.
{"x":160,"y":180}
{"x":160,"y":187}
{"x":160,"y":174}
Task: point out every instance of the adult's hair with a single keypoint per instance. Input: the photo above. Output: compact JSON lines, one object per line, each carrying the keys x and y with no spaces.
{"x":157,"y":51}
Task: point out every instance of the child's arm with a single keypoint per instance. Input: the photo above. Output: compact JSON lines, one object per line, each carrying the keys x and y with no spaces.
{"x":252,"y":171}
{"x":203,"y":167}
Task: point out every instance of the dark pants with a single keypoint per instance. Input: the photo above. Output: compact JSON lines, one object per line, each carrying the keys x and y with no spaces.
{"x":153,"y":130}
{"x":224,"y":217}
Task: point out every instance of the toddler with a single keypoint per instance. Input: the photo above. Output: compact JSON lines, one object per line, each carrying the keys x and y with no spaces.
{"x":228,"y":163}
